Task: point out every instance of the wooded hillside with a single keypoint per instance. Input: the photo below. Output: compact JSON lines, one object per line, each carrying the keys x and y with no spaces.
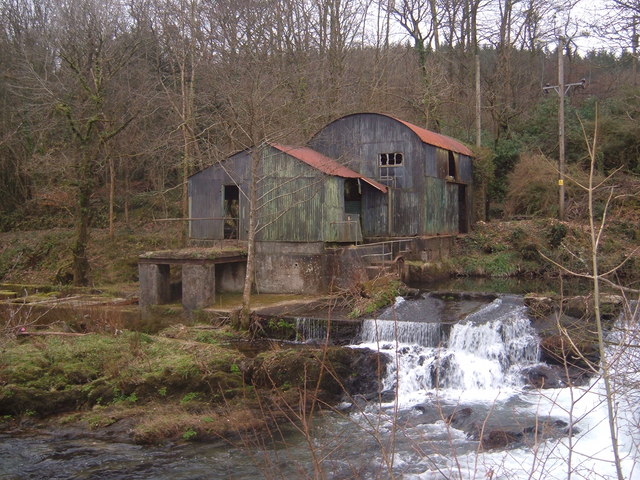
{"x":109,"y":105}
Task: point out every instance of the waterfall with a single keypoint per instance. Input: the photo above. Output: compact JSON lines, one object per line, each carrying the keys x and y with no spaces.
{"x":311,"y":329}
{"x":422,"y":333}
{"x":484,"y":351}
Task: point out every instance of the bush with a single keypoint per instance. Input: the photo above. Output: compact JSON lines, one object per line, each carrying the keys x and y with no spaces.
{"x":556,"y":234}
{"x":532,"y":187}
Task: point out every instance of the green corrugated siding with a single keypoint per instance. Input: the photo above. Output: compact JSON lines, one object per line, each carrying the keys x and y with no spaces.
{"x":291,"y":199}
{"x":441,"y":209}
{"x":451,"y":208}
{"x":291,"y":210}
{"x":406,"y":205}
{"x":333,"y":210}
{"x":278,"y":164}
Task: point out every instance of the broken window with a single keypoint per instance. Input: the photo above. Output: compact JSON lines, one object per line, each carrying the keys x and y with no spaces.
{"x":452,"y":165}
{"x":391,"y":166}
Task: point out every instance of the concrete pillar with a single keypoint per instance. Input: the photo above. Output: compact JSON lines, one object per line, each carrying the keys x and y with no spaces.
{"x":198,"y":286}
{"x":155,"y":288}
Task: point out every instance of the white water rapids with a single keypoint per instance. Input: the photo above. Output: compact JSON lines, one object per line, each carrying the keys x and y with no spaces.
{"x":476,"y":364}
{"x":483,"y":353}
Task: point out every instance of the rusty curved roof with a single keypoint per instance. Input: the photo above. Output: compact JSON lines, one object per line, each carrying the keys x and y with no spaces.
{"x":325,"y":164}
{"x":426,"y":136}
{"x":437,"y":139}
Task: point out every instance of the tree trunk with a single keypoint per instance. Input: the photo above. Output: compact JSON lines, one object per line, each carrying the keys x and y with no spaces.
{"x":126,"y":193}
{"x":83,"y":220}
{"x":112,"y":194}
{"x":245,"y":312}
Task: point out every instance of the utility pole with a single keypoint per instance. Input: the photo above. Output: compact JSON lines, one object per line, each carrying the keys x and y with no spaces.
{"x":561,"y":142}
{"x":478,"y":102}
{"x":562,"y":90}
{"x":634,"y":51}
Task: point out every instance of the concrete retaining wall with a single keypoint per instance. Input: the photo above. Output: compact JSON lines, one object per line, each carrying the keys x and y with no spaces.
{"x":285,"y":267}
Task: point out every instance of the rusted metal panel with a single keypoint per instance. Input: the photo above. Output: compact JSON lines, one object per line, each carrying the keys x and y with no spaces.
{"x":437,"y":139}
{"x":325,"y":164}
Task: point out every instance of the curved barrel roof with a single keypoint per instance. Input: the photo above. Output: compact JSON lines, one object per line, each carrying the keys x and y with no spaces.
{"x":426,"y":136}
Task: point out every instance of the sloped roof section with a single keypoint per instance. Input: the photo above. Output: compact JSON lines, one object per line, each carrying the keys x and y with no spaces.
{"x":325,"y":164}
{"x":437,"y":139}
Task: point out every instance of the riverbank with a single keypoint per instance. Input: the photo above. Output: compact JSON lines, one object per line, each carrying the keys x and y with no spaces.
{"x":195,"y":379}
{"x":536,"y":249}
{"x":185,"y":383}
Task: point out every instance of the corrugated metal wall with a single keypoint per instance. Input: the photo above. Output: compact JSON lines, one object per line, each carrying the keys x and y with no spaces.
{"x":301,"y":204}
{"x":374,"y":212}
{"x":441,"y":208}
{"x":296,"y":201}
{"x":422,"y":202}
{"x":206,"y":195}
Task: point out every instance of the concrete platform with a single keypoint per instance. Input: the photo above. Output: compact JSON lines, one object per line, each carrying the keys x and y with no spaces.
{"x":202,"y":269}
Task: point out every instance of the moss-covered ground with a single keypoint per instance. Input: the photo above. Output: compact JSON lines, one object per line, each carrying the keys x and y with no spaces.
{"x":185,"y":383}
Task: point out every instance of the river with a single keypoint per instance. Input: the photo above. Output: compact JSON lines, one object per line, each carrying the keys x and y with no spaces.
{"x":457,"y":372}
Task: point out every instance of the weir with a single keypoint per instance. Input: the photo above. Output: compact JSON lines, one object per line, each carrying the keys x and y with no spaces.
{"x":486,"y":349}
{"x":429,"y":334}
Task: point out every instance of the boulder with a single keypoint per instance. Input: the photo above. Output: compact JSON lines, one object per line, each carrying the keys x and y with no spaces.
{"x":339,"y":370}
{"x":539,"y":307}
{"x":580,"y":352}
{"x":555,"y":376}
{"x":500,"y":439}
{"x":459,"y":418}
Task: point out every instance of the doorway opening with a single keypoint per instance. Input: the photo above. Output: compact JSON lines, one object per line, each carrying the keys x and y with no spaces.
{"x":452,"y":166}
{"x":231,"y":211}
{"x":352,"y":196}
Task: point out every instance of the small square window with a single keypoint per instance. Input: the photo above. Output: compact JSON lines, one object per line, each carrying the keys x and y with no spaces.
{"x":390,"y":166}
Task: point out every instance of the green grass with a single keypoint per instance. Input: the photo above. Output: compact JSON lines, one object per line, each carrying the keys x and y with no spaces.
{"x":92,"y":369}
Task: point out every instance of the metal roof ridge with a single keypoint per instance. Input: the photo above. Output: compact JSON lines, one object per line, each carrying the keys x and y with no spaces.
{"x":325,"y":164}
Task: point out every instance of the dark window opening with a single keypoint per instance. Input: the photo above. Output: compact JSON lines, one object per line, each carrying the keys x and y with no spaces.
{"x":352,"y":195}
{"x":452,"y":165}
{"x":231,"y":211}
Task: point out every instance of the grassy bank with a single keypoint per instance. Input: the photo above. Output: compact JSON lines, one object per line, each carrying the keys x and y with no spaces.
{"x":189,"y":383}
{"x":529,"y":248}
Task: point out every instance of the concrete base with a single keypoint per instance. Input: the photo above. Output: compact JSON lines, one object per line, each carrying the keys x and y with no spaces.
{"x":230,"y":277}
{"x":155,"y":287}
{"x":198,"y":286}
{"x":283,"y":267}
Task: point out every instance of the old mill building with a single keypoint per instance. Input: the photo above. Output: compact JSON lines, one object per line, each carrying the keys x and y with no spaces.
{"x":367,"y":188}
